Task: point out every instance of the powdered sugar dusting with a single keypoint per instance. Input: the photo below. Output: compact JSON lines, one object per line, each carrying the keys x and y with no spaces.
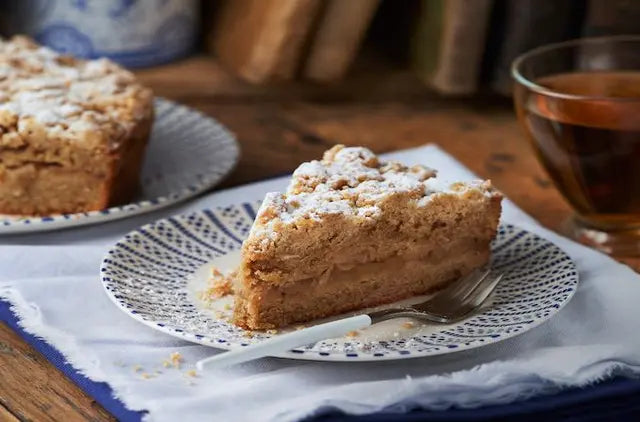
{"x":62,"y":93}
{"x":354,"y":182}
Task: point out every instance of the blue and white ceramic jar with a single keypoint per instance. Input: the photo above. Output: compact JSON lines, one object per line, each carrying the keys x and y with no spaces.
{"x":135,"y":33}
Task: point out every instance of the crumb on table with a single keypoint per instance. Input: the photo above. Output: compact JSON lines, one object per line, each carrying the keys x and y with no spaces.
{"x":408,"y":324}
{"x":352,"y":334}
{"x":175,"y":358}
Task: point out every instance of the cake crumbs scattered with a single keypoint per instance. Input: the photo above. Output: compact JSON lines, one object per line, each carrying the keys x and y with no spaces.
{"x":146,"y":376}
{"x":175,"y":358}
{"x":192,"y":373}
{"x":247,"y":334}
{"x":408,"y":324}
{"x":221,"y":285}
{"x":272,"y":331}
{"x":353,"y":334}
{"x":166,"y":363}
{"x":137,"y":368}
{"x":227,"y":307}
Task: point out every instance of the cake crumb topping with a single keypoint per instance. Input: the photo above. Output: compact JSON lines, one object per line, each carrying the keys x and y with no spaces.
{"x":70,"y":98}
{"x":352,"y":181}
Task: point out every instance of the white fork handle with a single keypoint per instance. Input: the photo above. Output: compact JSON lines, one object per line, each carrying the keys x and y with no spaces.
{"x":284,"y":342}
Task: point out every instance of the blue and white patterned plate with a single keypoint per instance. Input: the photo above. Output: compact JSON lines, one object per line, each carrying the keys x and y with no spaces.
{"x":187,"y":154}
{"x":154,"y":274}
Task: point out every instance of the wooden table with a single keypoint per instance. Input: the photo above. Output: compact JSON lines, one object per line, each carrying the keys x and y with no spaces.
{"x":279,"y":127}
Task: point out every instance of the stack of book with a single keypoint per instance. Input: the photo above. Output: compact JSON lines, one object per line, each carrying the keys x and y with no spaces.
{"x":460,"y":47}
{"x":457,"y":47}
{"x":267,"y":40}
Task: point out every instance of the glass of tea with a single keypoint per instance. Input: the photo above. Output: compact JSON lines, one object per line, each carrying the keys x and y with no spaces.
{"x":579,"y":103}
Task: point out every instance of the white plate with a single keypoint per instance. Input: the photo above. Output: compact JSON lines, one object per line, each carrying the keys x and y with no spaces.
{"x":187,"y":154}
{"x":154,"y":274}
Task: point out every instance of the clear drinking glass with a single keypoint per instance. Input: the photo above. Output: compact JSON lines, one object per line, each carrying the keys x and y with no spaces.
{"x":579,"y":104}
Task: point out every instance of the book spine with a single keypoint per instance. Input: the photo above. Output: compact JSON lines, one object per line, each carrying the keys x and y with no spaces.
{"x":463,"y":41}
{"x":449,"y":43}
{"x":340,"y":32}
{"x":262,"y":40}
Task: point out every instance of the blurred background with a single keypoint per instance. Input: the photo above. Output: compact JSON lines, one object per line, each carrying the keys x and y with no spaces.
{"x":291,"y":78}
{"x":451,"y":47}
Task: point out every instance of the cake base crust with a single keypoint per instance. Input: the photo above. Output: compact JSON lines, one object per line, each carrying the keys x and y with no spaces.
{"x":366,"y":285}
{"x":56,"y":186}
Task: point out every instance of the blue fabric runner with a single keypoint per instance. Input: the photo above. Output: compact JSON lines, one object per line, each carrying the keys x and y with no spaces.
{"x":617,"y":399}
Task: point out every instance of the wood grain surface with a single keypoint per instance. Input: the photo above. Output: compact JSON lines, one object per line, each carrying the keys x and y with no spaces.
{"x":279,"y":127}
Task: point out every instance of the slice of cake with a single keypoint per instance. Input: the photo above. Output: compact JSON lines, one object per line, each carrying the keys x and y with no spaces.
{"x":72,"y":132}
{"x":353,"y":232}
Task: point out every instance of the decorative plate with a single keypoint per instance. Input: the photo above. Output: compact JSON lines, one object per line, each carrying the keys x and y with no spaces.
{"x":187,"y":154}
{"x":155,"y":274}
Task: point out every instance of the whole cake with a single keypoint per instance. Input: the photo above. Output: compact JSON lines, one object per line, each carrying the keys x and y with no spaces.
{"x":353,"y":232}
{"x":72,"y":132}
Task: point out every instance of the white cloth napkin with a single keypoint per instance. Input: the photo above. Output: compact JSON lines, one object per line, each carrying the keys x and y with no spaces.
{"x":52,"y":282}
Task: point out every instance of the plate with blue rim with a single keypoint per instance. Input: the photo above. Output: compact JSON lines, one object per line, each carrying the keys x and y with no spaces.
{"x":187,"y":154}
{"x":158,"y":274}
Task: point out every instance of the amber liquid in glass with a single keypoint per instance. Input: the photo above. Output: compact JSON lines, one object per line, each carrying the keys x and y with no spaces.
{"x":591,"y":147}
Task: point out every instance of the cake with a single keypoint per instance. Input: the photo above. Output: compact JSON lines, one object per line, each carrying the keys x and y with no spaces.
{"x":72,"y":132}
{"x":352,"y":231}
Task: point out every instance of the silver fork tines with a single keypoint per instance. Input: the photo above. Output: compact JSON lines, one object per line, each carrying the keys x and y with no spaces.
{"x":451,"y":304}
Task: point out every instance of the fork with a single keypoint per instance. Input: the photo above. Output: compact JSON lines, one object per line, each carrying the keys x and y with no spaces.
{"x":452,"y":304}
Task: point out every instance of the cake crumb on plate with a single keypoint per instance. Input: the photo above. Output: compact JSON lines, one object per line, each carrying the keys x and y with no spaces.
{"x":221,"y":285}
